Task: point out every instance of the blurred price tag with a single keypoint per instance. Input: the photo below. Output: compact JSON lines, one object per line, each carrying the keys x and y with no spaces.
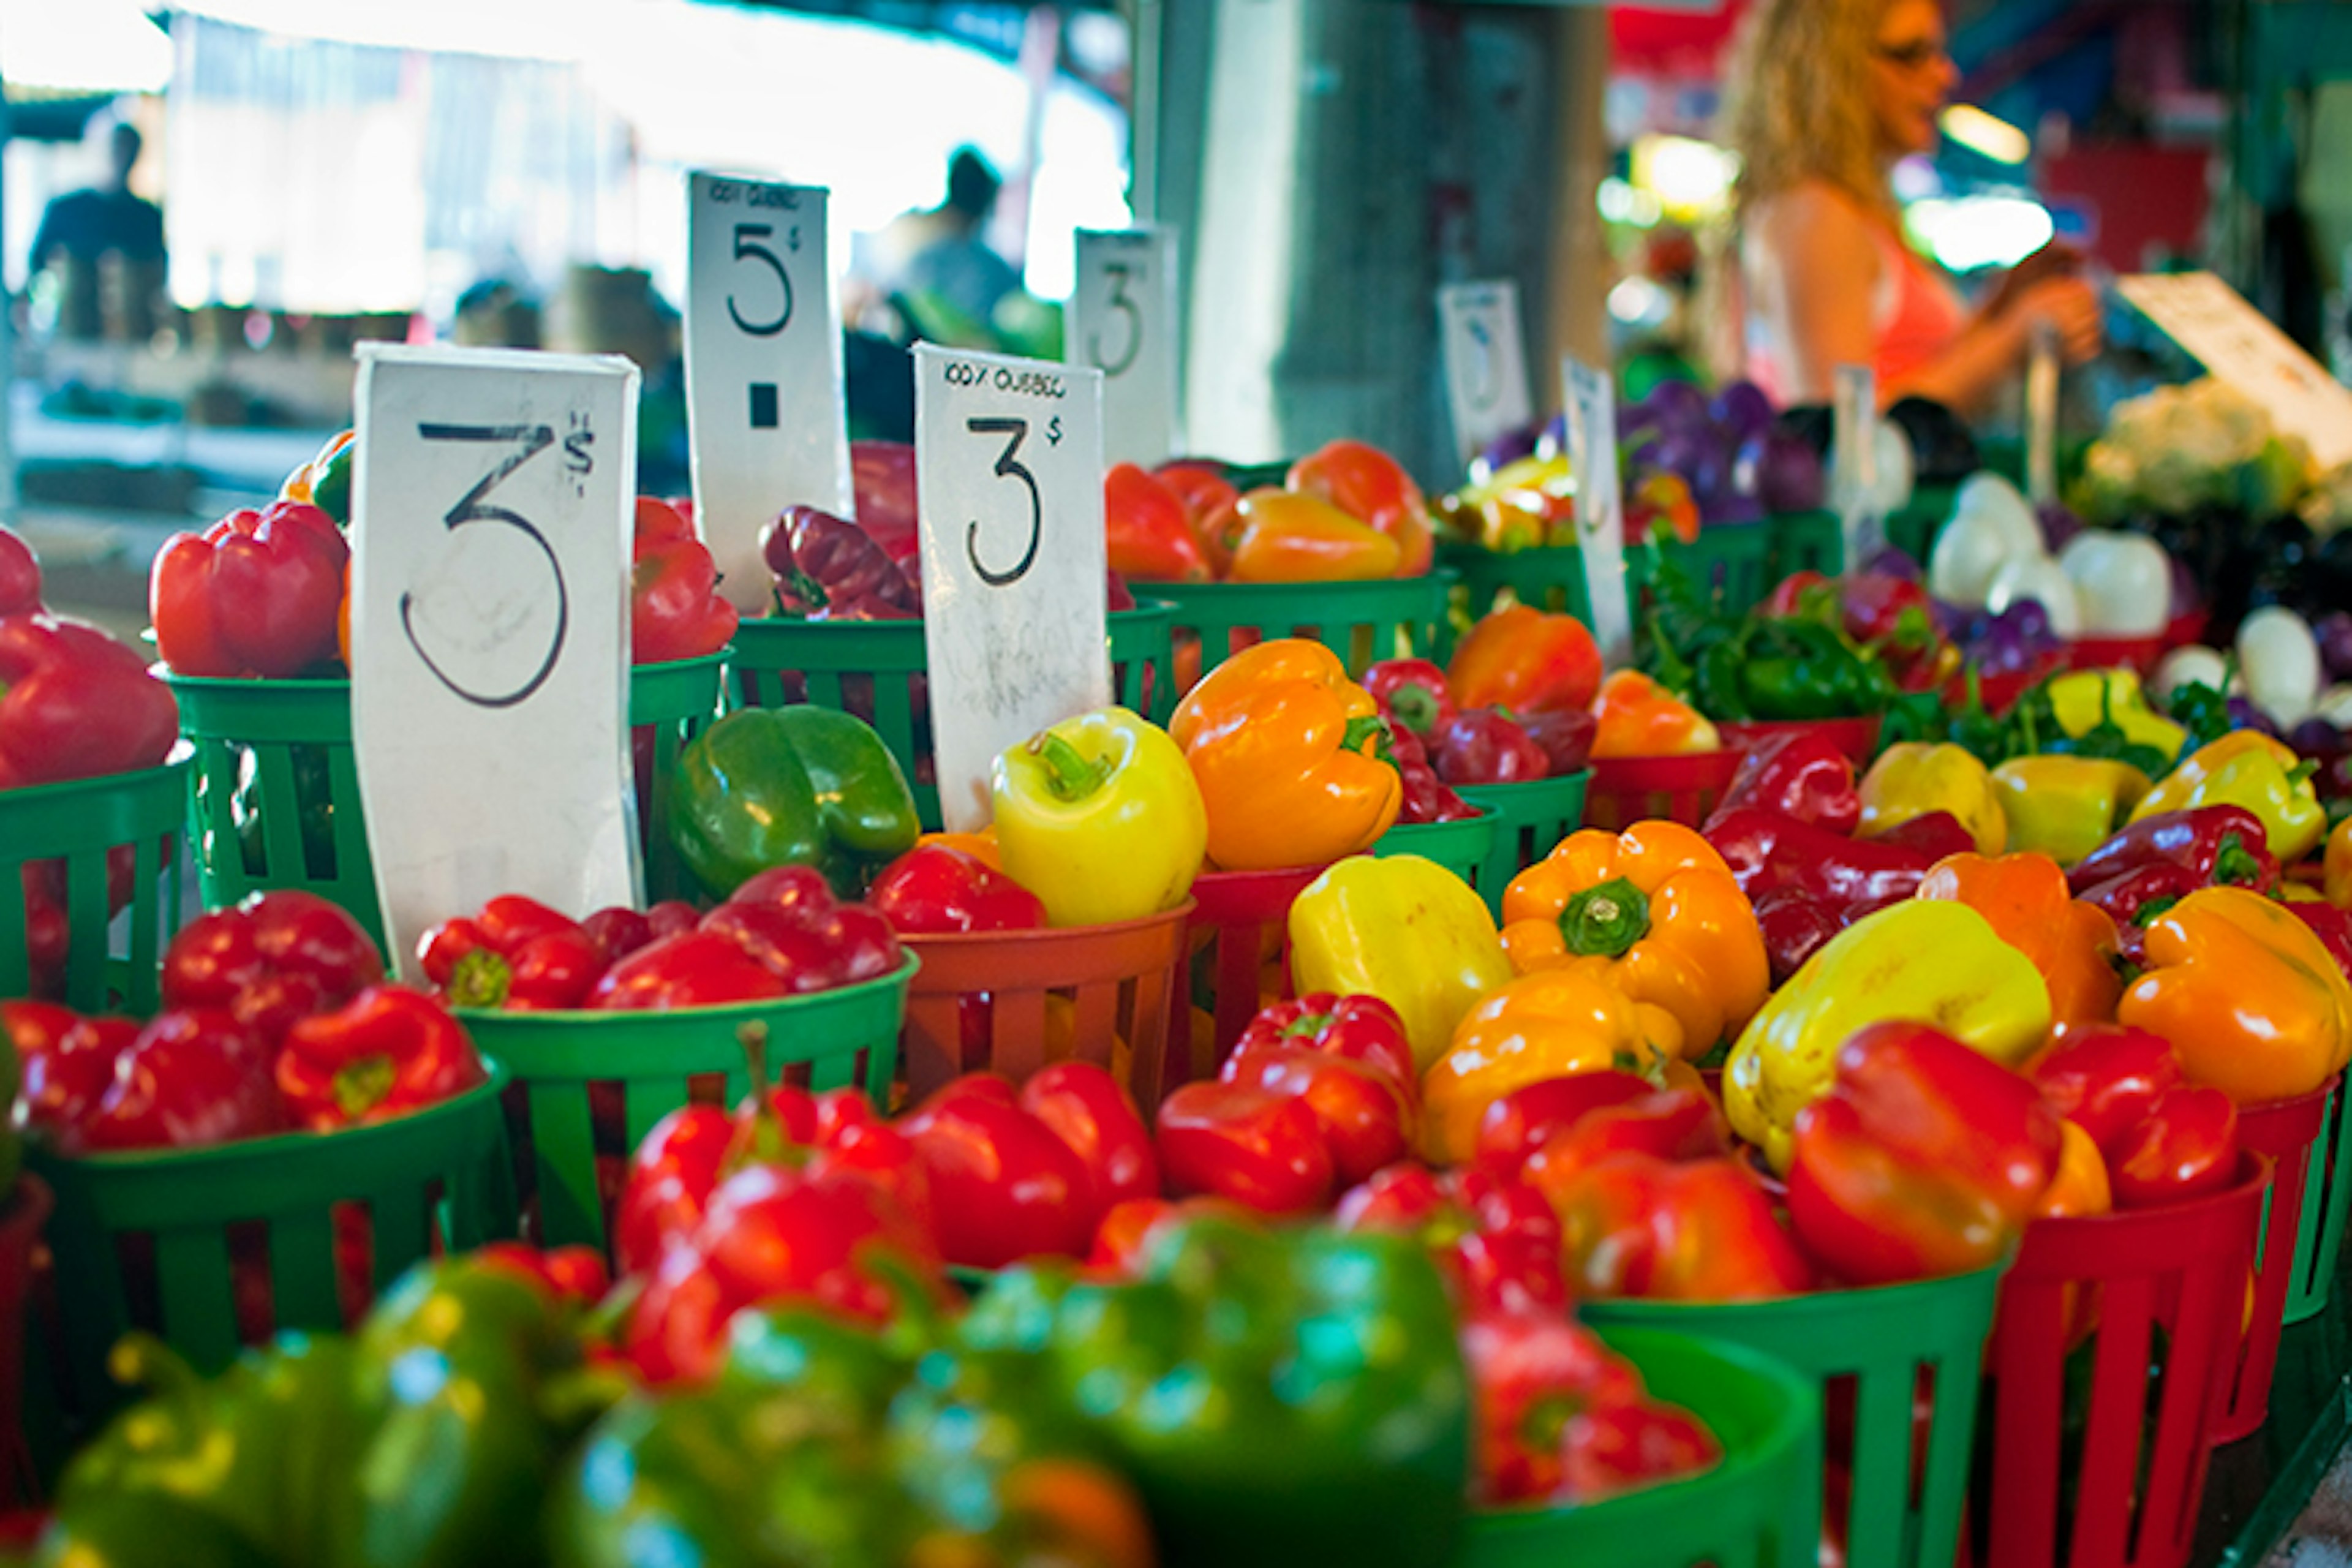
{"x":1854,"y":425}
{"x":491,"y":518}
{"x":2238,"y":345}
{"x":763,"y":377}
{"x":1486,"y":365}
{"x":2041,"y":417}
{"x":1591,"y":404}
{"x":1124,"y":323}
{"x":1008,"y":467}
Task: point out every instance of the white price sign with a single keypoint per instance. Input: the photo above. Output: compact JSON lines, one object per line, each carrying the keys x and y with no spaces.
{"x":1485,"y":366}
{"x":2238,"y":345}
{"x":1009,"y":465}
{"x":1591,"y":404}
{"x":764,"y":378}
{"x":1854,"y":425}
{"x":491,"y":516}
{"x":1123,"y":323}
{"x":2042,"y":416}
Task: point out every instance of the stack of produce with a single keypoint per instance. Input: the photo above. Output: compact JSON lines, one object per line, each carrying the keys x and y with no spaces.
{"x":1348,"y":513}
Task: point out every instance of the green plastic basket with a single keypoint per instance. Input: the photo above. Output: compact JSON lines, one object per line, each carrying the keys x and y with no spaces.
{"x":1551,"y":578}
{"x":1529,"y":819}
{"x":273,"y":799}
{"x":874,"y":670}
{"x":669,"y":704}
{"x":1806,"y":541}
{"x":1912,"y":528}
{"x":1363,"y":622}
{"x":436,"y":1180}
{"x":1752,"y":1510}
{"x":1462,"y":847}
{"x":644,"y":1064}
{"x":69,"y":833}
{"x":2326,"y":1195}
{"x":1884,"y":1340}
{"x":1732,"y":561}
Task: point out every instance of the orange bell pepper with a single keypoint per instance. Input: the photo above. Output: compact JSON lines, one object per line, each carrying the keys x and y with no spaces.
{"x":1286,"y":537}
{"x":1639,"y":718}
{"x":2335,"y":865}
{"x":1522,"y":659}
{"x":2248,"y":997}
{"x":1368,"y":485}
{"x":1210,"y":500}
{"x":1655,"y":903}
{"x":981,"y":845}
{"x":2080,"y":1189}
{"x":1148,"y":530}
{"x":2025,"y":897}
{"x":1289,"y":754}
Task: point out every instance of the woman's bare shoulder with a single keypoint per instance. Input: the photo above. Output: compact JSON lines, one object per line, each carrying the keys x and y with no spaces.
{"x":1808,"y":211}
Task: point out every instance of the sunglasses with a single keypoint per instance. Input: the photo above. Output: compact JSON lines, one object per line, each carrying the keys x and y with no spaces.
{"x":1910,"y":57}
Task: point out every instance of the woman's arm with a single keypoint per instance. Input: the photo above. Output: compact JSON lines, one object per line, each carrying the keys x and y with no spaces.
{"x":1816,"y":271}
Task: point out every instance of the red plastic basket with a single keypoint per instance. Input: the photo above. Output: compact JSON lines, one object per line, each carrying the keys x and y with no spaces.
{"x":27,"y":1211}
{"x":2125,"y":1494}
{"x":1241,"y":924}
{"x":1858,"y":738}
{"x":1625,"y":790}
{"x":2185,"y":630}
{"x":1117,"y":989}
{"x":2109,"y":653}
{"x":2287,"y":1130}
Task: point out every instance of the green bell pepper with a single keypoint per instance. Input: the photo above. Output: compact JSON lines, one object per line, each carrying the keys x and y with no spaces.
{"x":790,"y":786}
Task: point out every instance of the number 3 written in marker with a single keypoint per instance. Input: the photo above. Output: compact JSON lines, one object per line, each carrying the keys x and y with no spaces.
{"x":471,"y":508}
{"x":1008,"y":466}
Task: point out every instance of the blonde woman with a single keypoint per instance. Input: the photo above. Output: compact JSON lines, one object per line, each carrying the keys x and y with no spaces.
{"x":1825,"y":95}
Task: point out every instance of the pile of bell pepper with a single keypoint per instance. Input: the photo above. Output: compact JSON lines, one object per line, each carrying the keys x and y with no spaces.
{"x":1792,"y":658}
{"x":1528,"y":502}
{"x":1346,"y":512}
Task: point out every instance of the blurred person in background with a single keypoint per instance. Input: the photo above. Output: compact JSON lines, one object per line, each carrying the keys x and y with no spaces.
{"x":1822,"y":99}
{"x":933,"y":266}
{"x":82,"y":226}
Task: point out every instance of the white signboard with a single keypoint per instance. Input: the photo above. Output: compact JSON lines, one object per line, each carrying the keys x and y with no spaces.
{"x":491,"y":515}
{"x":2041,"y":417}
{"x":764,"y":378}
{"x":1123,"y":323}
{"x":1591,"y":404}
{"x":2238,"y":345}
{"x":1486,"y":365}
{"x":1009,"y":466}
{"x":1853,"y":481}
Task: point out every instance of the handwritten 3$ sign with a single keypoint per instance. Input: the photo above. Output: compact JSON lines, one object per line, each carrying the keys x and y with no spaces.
{"x":491,"y":532}
{"x":1009,"y":469}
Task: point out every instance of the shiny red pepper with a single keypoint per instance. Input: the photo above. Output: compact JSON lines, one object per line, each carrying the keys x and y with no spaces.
{"x":2105,"y":1077}
{"x":1803,"y":773}
{"x":1426,"y":797}
{"x":1264,"y":1151}
{"x":675,"y":610}
{"x":1698,"y":1230}
{"x":2221,"y":846}
{"x":1671,"y":1125}
{"x":693,"y":969}
{"x":75,"y":703}
{"x":1935,"y":834}
{"x":1495,"y":1237}
{"x":830,"y":569}
{"x":1564,"y":733}
{"x":938,"y":888}
{"x":1090,"y":1111}
{"x":1412,"y":694}
{"x":1004,"y":1185}
{"x":1149,"y":535}
{"x":1531,"y":1374}
{"x":619,"y":931}
{"x":388,"y":1051}
{"x":1347,"y":1058}
{"x":275,"y":957}
{"x":2184,"y":1147}
{"x":2133,"y":898}
{"x":1361,"y":1028}
{"x":194,"y":1076}
{"x":20,"y":575}
{"x":2331,"y":925}
{"x":1767,"y":850}
{"x":65,"y":1064}
{"x":257,"y":593}
{"x":1487,"y":746}
{"x":1796,"y":925}
{"x":516,"y":954}
{"x":787,"y":918}
{"x":1522,"y":1122}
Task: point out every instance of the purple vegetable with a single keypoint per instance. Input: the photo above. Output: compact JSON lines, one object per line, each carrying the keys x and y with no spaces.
{"x":2316,"y":738}
{"x":1742,"y":410}
{"x":1957,"y":625}
{"x":2335,"y":632}
{"x":1696,"y":454}
{"x":1730,"y":510}
{"x":1781,"y":469}
{"x":2188,"y":593}
{"x":1510,"y":447}
{"x":1893,"y":563}
{"x":1677,"y":405}
{"x":2029,"y":619}
{"x":2244,"y":715}
{"x":2059,"y":524}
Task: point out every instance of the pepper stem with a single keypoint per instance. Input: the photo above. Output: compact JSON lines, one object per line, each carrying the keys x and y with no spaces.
{"x":760,"y":1141}
{"x":1414,"y":706}
{"x":1368,"y":727}
{"x":480,"y":979}
{"x":1605,"y":920}
{"x":1070,"y":773}
{"x":363,"y":1085}
{"x":2234,"y":864}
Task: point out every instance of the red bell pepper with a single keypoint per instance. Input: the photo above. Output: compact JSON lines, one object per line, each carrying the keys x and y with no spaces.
{"x":2184,"y":1147}
{"x":938,"y":888}
{"x":1526,"y":660}
{"x":1004,"y":1185}
{"x":693,"y":969}
{"x":1801,"y":773}
{"x":194,"y":1077}
{"x":2331,"y":925}
{"x":1796,"y":925}
{"x":882,"y":479}
{"x":517,"y":954}
{"x":257,"y":593}
{"x":618,"y":931}
{"x":1495,"y":1237}
{"x":75,"y":703}
{"x":2105,"y":1077}
{"x":674,"y":916}
{"x":1213,"y":504}
{"x":1360,"y":1028}
{"x":572,"y":1274}
{"x":275,"y":957}
{"x":387,"y":1052}
{"x":1348,"y":1058}
{"x":1671,"y":1125}
{"x":1699,"y":1230}
{"x":1485,"y":746}
{"x":1522,"y":1122}
{"x":65,"y":1064}
{"x":1367,"y":484}
{"x":1426,"y":797}
{"x":1615,"y":1449}
{"x":1412,"y":695}
{"x":852,"y":943}
{"x":2133,"y":898}
{"x":1564,"y":733}
{"x":829,"y":569}
{"x":1935,"y":834}
{"x":1531,"y":1374}
{"x":1264,"y":1151}
{"x":1149,"y":535}
{"x":2221,"y":845}
{"x":20,"y":575}
{"x":1924,"y":1158}
{"x":1767,"y":850}
{"x":675,"y":608}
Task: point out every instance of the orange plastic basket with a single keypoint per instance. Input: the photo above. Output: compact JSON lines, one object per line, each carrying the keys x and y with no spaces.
{"x":1240,"y":926}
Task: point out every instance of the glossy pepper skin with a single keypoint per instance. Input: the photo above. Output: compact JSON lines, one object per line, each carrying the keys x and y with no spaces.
{"x":2337,"y":866}
{"x":790,"y":786}
{"x":1636,"y":717}
{"x":2084,"y":699}
{"x":2062,"y":806}
{"x":827,"y":568}
{"x":2247,"y":994}
{"x":2025,"y":896}
{"x":1768,"y":851}
{"x":1333,"y":1416}
{"x":1405,"y":930}
{"x":1484,"y":746}
{"x":1911,"y":779}
{"x":2185,"y":1147}
{"x":1367,"y":483}
{"x":1007,"y":1184}
{"x":1260,"y":1148}
{"x":1289,"y":757}
{"x":1494,"y":1237}
{"x":1150,"y":532}
{"x":20,"y":575}
{"x":1659,"y":905}
{"x":515,"y":954}
{"x":1426,"y":798}
{"x":1795,"y":925}
{"x":75,"y":703}
{"x":936,"y":888}
{"x":194,"y":1077}
{"x":675,"y":610}
{"x":1526,"y":660}
{"x":2219,"y":845}
{"x":1919,"y":959}
{"x":1924,"y":1158}
{"x":1100,"y":817}
{"x":257,"y":593}
{"x":2247,"y":768}
{"x":1366,"y":1109}
{"x":1286,"y":537}
{"x":2105,"y":1077}
{"x":275,"y":957}
{"x":1412,"y":694}
{"x":388,"y":1051}
{"x":1700,"y":1230}
{"x":1803,"y":773}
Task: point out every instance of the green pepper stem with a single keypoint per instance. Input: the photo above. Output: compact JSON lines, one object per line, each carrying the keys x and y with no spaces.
{"x":1070,"y":773}
{"x":2234,"y":864}
{"x":1606,"y":920}
{"x":760,"y":1140}
{"x":1367,"y":727}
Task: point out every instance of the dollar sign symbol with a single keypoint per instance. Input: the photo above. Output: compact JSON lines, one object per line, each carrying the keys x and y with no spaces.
{"x":576,"y":460}
{"x":1054,"y":431}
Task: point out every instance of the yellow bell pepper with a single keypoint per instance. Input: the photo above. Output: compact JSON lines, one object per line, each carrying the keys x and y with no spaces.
{"x":2080,"y":700}
{"x":2246,"y":767}
{"x":1658,"y":905}
{"x":1941,"y":964}
{"x":2251,"y":1000}
{"x":2336,"y":870}
{"x":2065,"y":807}
{"x":1099,"y":817}
{"x":1913,"y":778}
{"x":1403,"y":929}
{"x":1553,"y":1023}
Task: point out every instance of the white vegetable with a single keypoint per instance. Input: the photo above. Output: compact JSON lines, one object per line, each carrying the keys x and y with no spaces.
{"x":1991,"y":522}
{"x":2036,"y":577}
{"x":2122,"y":582}
{"x":2195,"y":665}
{"x":2335,"y":705}
{"x":2280,"y":659}
{"x":1893,"y":464}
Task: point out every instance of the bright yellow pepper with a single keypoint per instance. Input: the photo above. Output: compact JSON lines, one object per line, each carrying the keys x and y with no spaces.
{"x":1913,"y":778}
{"x":1658,"y":905}
{"x":2081,"y":700}
{"x":1403,"y":929}
{"x":2336,"y":868}
{"x":2253,"y":1003}
{"x":1099,"y":817}
{"x":1553,"y":1023}
{"x":2065,"y":807}
{"x":1939,"y":964}
{"x":2246,"y":767}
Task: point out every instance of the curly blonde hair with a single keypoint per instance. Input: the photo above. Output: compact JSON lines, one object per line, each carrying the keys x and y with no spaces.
{"x":1798,"y":106}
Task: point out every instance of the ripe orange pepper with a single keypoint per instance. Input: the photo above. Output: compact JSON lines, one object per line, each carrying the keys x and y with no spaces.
{"x":1287,"y":751}
{"x":2080,"y":1188}
{"x":1639,"y":718}
{"x":1290,"y":538}
{"x":1658,"y":904}
{"x":1523,"y":658}
{"x":1373,"y":488}
{"x":2025,"y":897}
